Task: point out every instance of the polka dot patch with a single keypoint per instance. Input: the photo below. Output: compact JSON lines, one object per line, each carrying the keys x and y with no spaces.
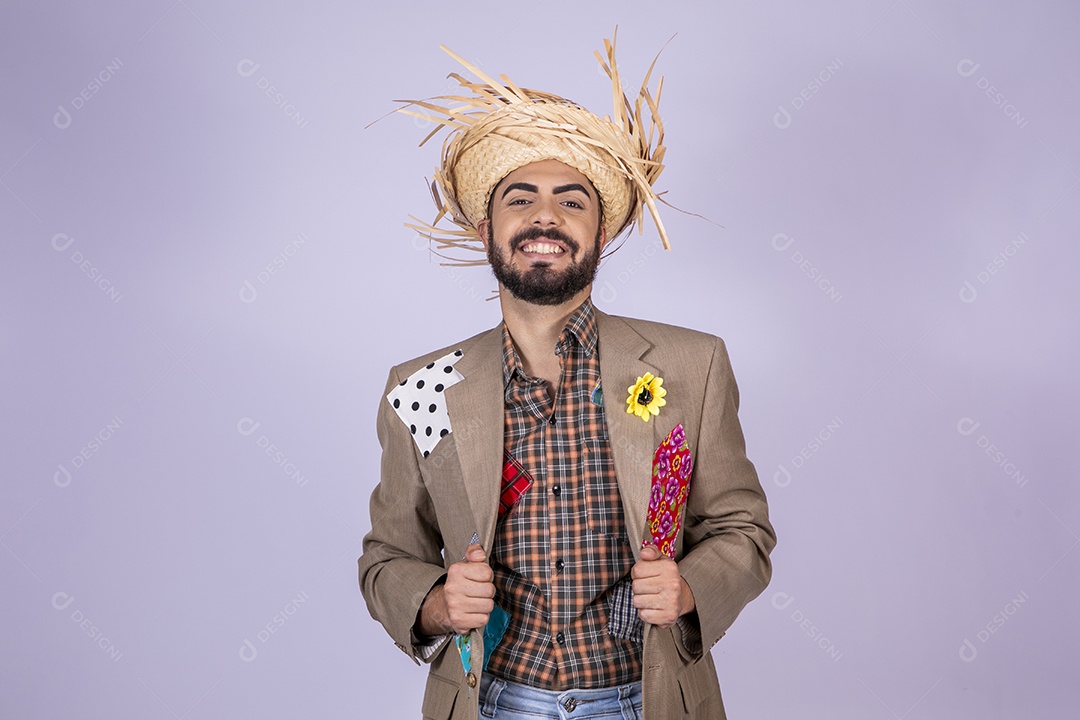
{"x":420,"y":403}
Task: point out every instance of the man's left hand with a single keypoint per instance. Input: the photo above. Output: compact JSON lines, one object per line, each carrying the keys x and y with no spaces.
{"x":661,"y":595}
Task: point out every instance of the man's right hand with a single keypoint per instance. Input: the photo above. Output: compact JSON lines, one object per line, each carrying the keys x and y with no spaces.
{"x":464,"y":601}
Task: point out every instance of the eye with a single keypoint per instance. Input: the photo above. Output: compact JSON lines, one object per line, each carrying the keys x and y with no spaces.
{"x":575,"y":204}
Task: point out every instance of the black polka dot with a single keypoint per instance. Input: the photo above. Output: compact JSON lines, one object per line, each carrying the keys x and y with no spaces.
{"x":397,"y":403}
{"x":457,"y":353}
{"x":432,"y":407}
{"x":403,"y":381}
{"x":426,"y":453}
{"x":448,"y":369}
{"x":430,"y":365}
{"x":444,"y":432}
{"x":412,"y":429}
{"x":419,"y":384}
{"x":416,"y":406}
{"x":439,"y":387}
{"x":428,"y":431}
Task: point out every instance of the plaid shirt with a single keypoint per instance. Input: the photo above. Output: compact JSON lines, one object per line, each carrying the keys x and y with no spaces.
{"x":561,"y":557}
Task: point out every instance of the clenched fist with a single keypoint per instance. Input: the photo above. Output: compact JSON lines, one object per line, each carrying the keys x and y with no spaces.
{"x":661,"y":595}
{"x":464,"y":601}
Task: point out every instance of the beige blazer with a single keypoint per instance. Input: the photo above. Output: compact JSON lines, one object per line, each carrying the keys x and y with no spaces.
{"x":425,"y":510}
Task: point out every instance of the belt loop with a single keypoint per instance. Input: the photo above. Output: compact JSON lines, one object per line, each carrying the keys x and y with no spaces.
{"x":491,"y":696}
{"x":628,"y":694}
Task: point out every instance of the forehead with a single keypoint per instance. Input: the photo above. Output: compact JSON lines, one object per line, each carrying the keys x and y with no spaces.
{"x":547,"y":174}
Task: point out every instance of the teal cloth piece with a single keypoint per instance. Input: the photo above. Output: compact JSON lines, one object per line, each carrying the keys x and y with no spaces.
{"x":464,"y":642}
{"x":464,"y":648}
{"x":498,"y":621}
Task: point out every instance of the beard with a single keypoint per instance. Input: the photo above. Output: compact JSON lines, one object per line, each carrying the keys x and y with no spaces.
{"x":540,"y":285}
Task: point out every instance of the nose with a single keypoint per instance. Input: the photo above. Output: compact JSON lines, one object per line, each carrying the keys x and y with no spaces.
{"x":545,"y":212}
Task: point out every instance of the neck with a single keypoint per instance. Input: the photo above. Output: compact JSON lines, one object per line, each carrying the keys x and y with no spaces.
{"x":536,"y":328}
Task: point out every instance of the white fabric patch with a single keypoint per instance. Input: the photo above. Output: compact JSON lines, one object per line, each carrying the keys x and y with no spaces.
{"x":420,"y":402}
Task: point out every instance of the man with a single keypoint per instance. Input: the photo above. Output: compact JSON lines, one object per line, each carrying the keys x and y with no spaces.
{"x":509,"y":545}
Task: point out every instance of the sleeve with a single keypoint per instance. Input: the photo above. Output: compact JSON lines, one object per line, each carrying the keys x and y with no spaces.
{"x":426,"y":649}
{"x":402,"y":556}
{"x":728,"y":536}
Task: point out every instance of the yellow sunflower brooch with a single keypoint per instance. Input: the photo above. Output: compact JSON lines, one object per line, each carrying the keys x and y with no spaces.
{"x":646,"y":396}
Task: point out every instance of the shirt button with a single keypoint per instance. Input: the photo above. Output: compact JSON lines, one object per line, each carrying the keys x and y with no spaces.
{"x":559,"y":564}
{"x":552,"y":420}
{"x":560,"y":638}
{"x":556,"y":491}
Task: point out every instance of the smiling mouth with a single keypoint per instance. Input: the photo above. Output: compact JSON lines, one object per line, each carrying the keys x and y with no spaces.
{"x":542,"y":247}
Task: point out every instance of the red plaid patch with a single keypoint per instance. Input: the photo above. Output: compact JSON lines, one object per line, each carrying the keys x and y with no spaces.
{"x":516,"y":481}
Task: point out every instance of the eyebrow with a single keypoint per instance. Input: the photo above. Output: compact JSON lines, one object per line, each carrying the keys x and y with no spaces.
{"x":572,"y":186}
{"x":528,"y":187}
{"x":520,"y":186}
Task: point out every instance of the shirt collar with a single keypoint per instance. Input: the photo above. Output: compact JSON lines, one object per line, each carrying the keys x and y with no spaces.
{"x":580,"y":329}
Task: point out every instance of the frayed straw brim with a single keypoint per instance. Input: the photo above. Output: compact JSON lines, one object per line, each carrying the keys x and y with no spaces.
{"x":501,"y":127}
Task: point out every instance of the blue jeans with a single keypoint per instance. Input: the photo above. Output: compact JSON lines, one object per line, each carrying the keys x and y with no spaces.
{"x":504,"y":700}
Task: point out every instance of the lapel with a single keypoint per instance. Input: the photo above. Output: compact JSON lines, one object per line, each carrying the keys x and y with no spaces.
{"x":476,"y":410}
{"x":633,"y":441}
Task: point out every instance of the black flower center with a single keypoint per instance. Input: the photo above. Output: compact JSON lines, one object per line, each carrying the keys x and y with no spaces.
{"x":644,"y":397}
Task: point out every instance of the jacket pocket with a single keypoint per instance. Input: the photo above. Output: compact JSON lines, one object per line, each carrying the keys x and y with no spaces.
{"x":690,"y":688}
{"x":439,"y":698}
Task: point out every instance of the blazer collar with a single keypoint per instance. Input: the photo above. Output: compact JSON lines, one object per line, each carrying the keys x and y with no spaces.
{"x":623,"y":358}
{"x":476,"y":405}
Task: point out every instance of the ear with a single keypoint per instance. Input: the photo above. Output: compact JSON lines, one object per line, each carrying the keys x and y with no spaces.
{"x":482,"y":229}
{"x":603,"y":238}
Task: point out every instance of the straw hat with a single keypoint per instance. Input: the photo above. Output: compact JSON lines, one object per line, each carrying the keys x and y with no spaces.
{"x":499,"y":127}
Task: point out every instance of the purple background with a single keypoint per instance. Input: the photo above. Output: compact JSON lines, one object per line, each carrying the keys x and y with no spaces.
{"x":188,"y":256}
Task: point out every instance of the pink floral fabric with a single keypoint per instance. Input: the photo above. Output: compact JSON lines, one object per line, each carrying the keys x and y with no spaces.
{"x":671,"y":471}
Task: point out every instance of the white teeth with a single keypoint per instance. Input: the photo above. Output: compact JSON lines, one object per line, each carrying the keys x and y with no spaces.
{"x":542,"y":248}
